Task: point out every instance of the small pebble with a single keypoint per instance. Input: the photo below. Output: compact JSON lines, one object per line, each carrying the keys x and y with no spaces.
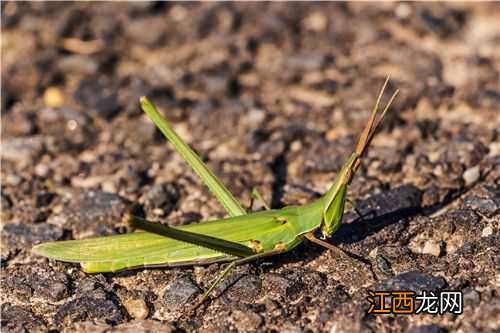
{"x":471,"y":296}
{"x":415,"y":281}
{"x":432,"y":247}
{"x":158,"y":211}
{"x":244,"y":289}
{"x":42,"y":170}
{"x":403,"y":10}
{"x":13,"y":180}
{"x":178,"y":13}
{"x":296,"y":146}
{"x":17,"y":318}
{"x":6,"y":202}
{"x":488,"y":206}
{"x":255,"y":117}
{"x":163,"y":197}
{"x":276,"y":286}
{"x":43,"y":199}
{"x":246,"y":321}
{"x":77,"y":63}
{"x":137,"y":308}
{"x":148,"y":31}
{"x":180,"y":292}
{"x":55,"y":291}
{"x":109,"y":186}
{"x":23,"y":149}
{"x":16,"y":236}
{"x":316,"y":21}
{"x":94,"y":305}
{"x":471,"y":175}
{"x":97,"y":98}
{"x":53,"y":97}
{"x":487,"y":231}
{"x":494,"y":149}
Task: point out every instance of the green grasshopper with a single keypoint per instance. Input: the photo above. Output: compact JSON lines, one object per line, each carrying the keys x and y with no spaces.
{"x":239,"y":239}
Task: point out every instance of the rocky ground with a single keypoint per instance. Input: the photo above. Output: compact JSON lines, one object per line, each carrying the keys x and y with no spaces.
{"x":273,"y":96}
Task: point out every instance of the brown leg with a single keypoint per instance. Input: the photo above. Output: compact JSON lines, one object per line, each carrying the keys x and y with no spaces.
{"x":310,"y":236}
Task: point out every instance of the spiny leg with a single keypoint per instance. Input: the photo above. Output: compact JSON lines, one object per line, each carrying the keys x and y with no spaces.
{"x":229,"y":268}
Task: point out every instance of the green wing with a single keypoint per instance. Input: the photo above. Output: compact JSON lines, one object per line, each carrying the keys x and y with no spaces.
{"x":193,"y":238}
{"x":261,"y":231}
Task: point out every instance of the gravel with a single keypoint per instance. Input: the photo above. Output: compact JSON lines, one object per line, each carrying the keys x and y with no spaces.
{"x":272,"y":96}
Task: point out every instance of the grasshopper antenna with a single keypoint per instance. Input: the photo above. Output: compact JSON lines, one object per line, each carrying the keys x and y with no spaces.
{"x":373,"y":123}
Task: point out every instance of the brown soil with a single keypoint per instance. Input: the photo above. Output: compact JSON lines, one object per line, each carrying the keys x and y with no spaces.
{"x":272,"y":96}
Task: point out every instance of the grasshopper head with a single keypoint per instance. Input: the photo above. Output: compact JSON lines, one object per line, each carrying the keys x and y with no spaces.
{"x":332,"y":216}
{"x":334,"y":199}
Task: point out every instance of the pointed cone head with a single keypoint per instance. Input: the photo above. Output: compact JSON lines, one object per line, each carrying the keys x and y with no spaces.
{"x":333,"y":215}
{"x":334,"y":199}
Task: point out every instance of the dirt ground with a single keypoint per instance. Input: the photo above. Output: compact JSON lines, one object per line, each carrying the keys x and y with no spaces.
{"x":273,"y":96}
